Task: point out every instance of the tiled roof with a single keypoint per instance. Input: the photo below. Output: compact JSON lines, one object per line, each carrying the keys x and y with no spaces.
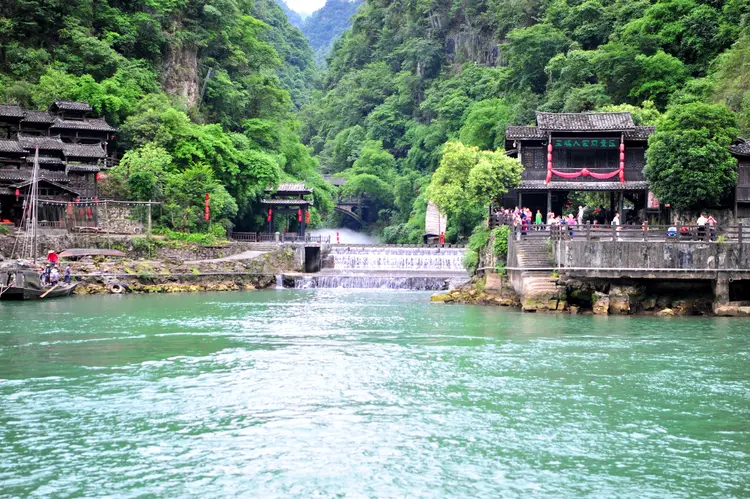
{"x":25,"y":174}
{"x":37,"y":117}
{"x":580,"y":122}
{"x":84,"y":168}
{"x":639,"y":133}
{"x":44,"y":160}
{"x":29,"y":142}
{"x":583,"y":186}
{"x":289,"y":202}
{"x":524,"y":132}
{"x":11,"y":111}
{"x":66,"y":105}
{"x":7,"y":145}
{"x":83,"y":150}
{"x":741,"y":149}
{"x":96,"y":124}
{"x":290,"y":187}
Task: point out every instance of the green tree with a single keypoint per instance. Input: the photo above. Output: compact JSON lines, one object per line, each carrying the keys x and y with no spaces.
{"x":689,"y":164}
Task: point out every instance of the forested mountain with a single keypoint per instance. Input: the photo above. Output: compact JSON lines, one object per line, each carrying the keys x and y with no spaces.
{"x":411,"y":76}
{"x":327,"y":24}
{"x":202,"y":91}
{"x":293,"y":17}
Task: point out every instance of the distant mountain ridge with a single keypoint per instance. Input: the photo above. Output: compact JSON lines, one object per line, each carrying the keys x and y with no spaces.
{"x":294,"y":18}
{"x":324,"y":26}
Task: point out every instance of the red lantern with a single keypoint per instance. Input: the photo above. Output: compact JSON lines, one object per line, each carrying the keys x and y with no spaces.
{"x":76,"y":200}
{"x":307,"y":217}
{"x":622,"y":146}
{"x":299,"y":215}
{"x":270,"y":214}
{"x":96,"y":200}
{"x":98,"y":176}
{"x":549,"y":147}
{"x":88,"y":213}
{"x":622,"y":156}
{"x":208,"y":208}
{"x":549,"y":158}
{"x":18,"y":193}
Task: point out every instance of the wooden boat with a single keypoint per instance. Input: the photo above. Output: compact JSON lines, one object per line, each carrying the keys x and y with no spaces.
{"x":24,"y":284}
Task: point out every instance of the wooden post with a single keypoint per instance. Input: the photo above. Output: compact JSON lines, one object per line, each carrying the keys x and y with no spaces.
{"x":549,"y":201}
{"x":621,"y":204}
{"x":149,"y":219}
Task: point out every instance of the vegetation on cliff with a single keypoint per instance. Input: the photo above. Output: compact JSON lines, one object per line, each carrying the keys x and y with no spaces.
{"x":204,"y":92}
{"x":410,"y":77}
{"x":327,"y":24}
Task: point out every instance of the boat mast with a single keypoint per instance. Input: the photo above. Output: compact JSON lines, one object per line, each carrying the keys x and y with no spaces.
{"x":35,"y":204}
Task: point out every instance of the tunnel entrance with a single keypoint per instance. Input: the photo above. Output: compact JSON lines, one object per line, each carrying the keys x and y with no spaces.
{"x":312,"y":259}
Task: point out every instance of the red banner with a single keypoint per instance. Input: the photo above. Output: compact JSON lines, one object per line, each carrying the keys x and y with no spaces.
{"x":585,"y":172}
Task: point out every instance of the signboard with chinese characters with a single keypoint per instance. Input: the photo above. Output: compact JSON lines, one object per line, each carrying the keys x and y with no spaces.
{"x":580,"y":143}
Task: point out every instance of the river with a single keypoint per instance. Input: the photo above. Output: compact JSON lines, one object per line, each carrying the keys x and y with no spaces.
{"x":319,"y":393}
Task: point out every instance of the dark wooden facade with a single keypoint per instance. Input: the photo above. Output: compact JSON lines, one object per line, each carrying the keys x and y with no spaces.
{"x":73,"y":149}
{"x":583,"y":144}
{"x":741,"y":151}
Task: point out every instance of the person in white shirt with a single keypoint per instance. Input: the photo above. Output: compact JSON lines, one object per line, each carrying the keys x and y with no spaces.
{"x":702,"y":221}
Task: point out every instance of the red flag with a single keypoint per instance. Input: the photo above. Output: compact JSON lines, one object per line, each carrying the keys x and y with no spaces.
{"x":208,"y":208}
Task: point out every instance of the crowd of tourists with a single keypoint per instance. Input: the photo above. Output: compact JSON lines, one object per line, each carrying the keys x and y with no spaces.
{"x":526,"y":220}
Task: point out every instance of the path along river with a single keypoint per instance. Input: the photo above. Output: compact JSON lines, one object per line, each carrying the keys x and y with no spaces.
{"x":317,"y":393}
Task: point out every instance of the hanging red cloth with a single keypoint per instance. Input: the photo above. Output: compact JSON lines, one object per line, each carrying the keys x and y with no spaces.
{"x":585,"y":172}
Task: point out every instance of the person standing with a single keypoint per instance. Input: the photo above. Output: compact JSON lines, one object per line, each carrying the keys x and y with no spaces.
{"x":702,"y":220}
{"x":66,"y":276}
{"x":538,"y":220}
{"x":581,"y":212}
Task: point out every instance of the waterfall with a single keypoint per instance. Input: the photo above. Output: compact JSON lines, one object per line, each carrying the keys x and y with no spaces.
{"x":279,"y":282}
{"x":388,"y":267}
{"x":378,"y":259}
{"x":416,"y":283}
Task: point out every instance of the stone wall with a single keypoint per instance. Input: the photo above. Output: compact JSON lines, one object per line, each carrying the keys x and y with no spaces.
{"x":686,"y":255}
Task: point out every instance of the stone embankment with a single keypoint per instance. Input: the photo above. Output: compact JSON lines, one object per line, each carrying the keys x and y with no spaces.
{"x":601,"y":297}
{"x":170,"y":266}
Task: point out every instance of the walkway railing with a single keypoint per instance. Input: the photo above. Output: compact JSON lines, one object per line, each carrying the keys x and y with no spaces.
{"x":624,"y":233}
{"x":263,"y":237}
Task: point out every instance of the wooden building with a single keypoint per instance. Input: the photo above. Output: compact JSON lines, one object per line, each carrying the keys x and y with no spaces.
{"x":741,"y":151}
{"x":73,"y":148}
{"x":288,"y":199}
{"x":565,"y":152}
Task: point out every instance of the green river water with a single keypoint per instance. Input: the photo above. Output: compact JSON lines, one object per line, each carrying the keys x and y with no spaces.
{"x":354,"y":393}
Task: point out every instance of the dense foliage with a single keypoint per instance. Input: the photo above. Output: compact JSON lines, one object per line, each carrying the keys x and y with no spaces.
{"x":413,"y":76}
{"x":202,"y":90}
{"x":689,"y":163}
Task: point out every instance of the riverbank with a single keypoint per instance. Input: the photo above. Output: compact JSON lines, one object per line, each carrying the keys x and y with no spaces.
{"x":161,"y":266}
{"x":598,"y":297}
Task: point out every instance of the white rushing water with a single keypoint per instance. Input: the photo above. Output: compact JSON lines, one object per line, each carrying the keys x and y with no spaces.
{"x":345,"y":236}
{"x":378,"y":259}
{"x":381,"y":267}
{"x":415,"y":283}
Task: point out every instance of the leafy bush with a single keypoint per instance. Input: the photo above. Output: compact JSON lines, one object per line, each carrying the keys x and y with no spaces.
{"x":479,"y":238}
{"x":4,"y":230}
{"x":471,"y":260}
{"x":500,"y":247}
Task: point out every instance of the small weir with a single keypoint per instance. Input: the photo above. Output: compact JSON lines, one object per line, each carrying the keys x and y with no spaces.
{"x":388,"y":267}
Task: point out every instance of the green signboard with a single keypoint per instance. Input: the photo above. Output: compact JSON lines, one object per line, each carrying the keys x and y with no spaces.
{"x":578,"y":143}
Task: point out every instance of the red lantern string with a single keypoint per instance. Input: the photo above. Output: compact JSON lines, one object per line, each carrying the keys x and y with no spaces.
{"x":299,"y":215}
{"x":307,"y":217}
{"x":18,"y":193}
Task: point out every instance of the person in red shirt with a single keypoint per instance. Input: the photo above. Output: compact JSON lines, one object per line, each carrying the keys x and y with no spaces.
{"x":52,"y":257}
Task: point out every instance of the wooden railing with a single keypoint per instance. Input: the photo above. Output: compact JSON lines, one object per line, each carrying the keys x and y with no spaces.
{"x":655,"y":233}
{"x":263,"y":237}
